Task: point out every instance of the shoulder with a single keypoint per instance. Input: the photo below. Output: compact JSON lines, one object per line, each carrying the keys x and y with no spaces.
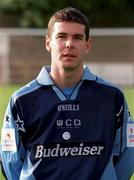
{"x":108,"y":86}
{"x":29,"y":88}
{"x":100,"y":84}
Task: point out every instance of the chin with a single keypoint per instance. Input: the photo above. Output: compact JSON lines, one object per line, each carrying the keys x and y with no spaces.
{"x":70,"y":67}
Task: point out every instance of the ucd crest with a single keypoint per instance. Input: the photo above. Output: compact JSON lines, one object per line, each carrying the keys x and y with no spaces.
{"x":59,"y":122}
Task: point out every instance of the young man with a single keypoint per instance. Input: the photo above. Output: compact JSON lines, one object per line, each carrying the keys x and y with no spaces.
{"x":68,"y":123}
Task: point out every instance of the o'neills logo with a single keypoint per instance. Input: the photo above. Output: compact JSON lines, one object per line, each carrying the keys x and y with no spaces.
{"x":68,"y":107}
{"x":69,"y":149}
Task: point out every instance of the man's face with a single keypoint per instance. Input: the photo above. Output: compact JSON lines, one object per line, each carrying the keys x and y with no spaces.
{"x":67,"y":45}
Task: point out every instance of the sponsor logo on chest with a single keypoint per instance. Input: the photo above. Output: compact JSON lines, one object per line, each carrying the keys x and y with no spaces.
{"x":69,"y":150}
{"x":68,"y":122}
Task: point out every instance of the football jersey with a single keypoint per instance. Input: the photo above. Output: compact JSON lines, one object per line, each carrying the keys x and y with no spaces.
{"x":55,"y":137}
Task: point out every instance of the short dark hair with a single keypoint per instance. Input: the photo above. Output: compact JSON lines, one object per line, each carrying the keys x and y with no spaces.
{"x":69,"y":15}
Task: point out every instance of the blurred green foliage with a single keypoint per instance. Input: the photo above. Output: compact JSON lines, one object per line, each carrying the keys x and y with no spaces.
{"x":102,"y":13}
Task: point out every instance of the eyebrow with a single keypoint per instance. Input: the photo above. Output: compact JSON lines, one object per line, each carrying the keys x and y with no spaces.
{"x":75,"y":35}
{"x":61,"y":33}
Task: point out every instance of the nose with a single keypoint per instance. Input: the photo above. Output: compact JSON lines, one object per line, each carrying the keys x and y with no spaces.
{"x":69,"y":43}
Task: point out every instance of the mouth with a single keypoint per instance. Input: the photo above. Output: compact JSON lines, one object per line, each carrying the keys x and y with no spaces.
{"x":68,"y":55}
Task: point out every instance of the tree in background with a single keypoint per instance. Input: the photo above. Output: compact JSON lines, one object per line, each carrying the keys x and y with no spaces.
{"x":33,"y":13}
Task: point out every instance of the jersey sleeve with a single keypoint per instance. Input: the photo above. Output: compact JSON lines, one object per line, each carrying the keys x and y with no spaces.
{"x":121,"y":163}
{"x":12,"y":150}
{"x":124,"y":142}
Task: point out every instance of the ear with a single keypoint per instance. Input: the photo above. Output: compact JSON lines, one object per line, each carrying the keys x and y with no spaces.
{"x":89,"y":45}
{"x":47,"y":43}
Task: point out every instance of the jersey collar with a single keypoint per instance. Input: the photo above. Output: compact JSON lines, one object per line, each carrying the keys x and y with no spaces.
{"x":44,"y":78}
{"x":88,"y":75}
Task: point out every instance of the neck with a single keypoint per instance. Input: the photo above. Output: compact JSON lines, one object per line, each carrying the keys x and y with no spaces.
{"x":66,"y":79}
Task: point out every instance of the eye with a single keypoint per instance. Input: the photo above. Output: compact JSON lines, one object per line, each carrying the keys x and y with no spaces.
{"x":61,"y":36}
{"x":78,"y":37}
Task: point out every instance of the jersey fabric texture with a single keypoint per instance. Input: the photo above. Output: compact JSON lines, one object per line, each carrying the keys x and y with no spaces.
{"x":77,"y":133}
